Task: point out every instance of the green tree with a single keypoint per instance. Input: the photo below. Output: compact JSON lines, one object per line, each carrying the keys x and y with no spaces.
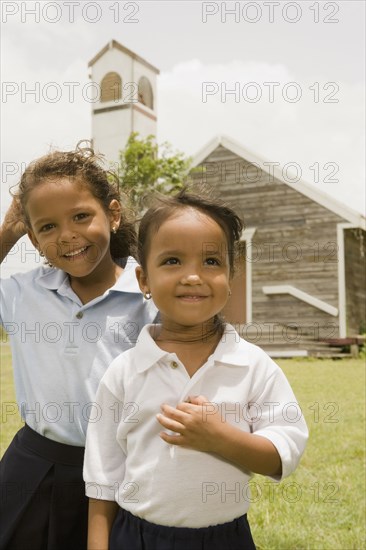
{"x":146,"y":167}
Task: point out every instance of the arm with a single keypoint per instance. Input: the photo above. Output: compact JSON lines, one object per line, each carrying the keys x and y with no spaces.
{"x":104,"y":463}
{"x":199,"y":426}
{"x":12,"y":229}
{"x":248,"y":451}
{"x":101,"y":517}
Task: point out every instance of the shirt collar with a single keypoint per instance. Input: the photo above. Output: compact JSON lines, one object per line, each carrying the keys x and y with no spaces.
{"x":55,"y":279}
{"x":231,"y":350}
{"x":51,"y":278}
{"x":148,"y":352}
{"x":127,"y":282}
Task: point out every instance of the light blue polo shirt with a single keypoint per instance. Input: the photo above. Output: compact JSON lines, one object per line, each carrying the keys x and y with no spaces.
{"x":61,"y":347}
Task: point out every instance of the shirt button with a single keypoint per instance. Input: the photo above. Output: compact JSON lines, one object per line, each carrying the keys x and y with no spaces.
{"x":174,"y":365}
{"x":79,"y":315}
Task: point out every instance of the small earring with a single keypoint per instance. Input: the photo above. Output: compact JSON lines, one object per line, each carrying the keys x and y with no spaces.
{"x":147,"y":295}
{"x":41,"y":253}
{"x":114,"y":230}
{"x":229,"y":291}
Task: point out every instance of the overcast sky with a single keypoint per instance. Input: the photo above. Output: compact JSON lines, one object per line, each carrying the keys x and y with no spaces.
{"x":298,"y":69}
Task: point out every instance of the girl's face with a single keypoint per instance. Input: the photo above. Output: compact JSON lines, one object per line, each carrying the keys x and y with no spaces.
{"x":187,"y":269}
{"x":70,"y":226}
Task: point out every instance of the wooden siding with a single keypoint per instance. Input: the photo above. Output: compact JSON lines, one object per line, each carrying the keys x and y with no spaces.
{"x":295,"y":243}
{"x":355,"y":267}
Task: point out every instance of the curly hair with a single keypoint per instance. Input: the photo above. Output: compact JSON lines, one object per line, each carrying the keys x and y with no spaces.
{"x":83,"y":166}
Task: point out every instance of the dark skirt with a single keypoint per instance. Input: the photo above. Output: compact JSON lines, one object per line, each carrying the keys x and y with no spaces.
{"x":43,"y":504}
{"x":132,"y":533}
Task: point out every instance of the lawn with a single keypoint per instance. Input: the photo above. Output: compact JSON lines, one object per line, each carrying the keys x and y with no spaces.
{"x":322,"y":506}
{"x":10,"y":420}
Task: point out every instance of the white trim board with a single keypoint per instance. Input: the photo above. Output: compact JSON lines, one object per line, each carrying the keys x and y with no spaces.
{"x":287,"y":353}
{"x":247,"y":237}
{"x":342,"y":278}
{"x":301,"y":295}
{"x":301,"y":186}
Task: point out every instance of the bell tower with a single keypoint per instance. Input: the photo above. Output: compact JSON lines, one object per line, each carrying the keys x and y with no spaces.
{"x":126,"y":100}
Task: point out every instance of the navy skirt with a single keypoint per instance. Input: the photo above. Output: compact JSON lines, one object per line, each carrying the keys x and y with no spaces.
{"x":42,"y":504}
{"x":132,"y":533}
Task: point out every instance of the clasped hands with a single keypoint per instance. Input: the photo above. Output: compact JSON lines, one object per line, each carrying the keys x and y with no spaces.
{"x":197,"y":424}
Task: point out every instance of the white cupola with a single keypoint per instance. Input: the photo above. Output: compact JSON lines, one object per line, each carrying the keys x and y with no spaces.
{"x":126,"y":100}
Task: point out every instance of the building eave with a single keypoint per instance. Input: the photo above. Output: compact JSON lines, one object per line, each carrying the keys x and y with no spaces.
{"x":113,"y":44}
{"x":301,"y":186}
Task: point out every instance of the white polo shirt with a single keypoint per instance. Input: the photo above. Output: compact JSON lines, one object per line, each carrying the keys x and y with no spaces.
{"x":61,"y":348}
{"x":127,"y":461}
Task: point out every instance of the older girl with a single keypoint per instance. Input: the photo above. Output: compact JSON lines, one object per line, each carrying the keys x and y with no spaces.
{"x":66,"y":323}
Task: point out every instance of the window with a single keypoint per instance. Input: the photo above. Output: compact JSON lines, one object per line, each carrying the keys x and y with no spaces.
{"x":145,"y":92}
{"x":111,"y":87}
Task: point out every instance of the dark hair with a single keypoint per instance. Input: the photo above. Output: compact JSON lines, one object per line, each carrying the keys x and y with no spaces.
{"x":165,"y":207}
{"x":83,"y":165}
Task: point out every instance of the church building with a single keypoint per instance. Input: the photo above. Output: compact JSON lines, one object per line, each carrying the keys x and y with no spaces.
{"x":300,"y":286}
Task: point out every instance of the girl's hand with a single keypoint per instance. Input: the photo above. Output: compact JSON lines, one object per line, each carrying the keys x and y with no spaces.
{"x":197,"y":424}
{"x":13,"y":223}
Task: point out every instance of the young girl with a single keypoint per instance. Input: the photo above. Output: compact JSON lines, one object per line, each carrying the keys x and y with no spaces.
{"x":66,"y":323}
{"x":193,"y":409}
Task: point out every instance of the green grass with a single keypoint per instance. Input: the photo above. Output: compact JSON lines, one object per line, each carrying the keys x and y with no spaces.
{"x":10,"y":421}
{"x":321,"y":506}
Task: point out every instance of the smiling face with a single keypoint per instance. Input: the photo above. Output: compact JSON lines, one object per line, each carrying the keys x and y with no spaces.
{"x":187,"y":269}
{"x":70,"y":227}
